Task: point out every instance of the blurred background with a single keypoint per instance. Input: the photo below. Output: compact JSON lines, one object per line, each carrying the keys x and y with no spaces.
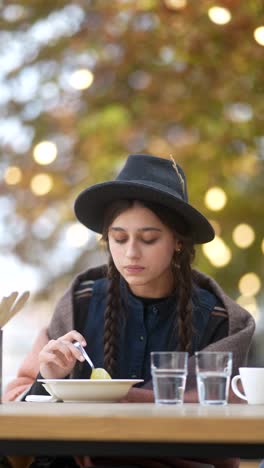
{"x":85,"y":83}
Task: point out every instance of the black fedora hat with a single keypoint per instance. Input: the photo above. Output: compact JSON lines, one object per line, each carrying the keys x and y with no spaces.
{"x":145,"y":178}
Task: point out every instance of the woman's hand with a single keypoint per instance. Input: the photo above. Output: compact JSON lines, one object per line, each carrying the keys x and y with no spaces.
{"x":58,"y":357}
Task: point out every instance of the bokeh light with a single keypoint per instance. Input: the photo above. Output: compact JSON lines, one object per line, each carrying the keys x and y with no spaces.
{"x":249,"y":303}
{"x":262,"y":246}
{"x":158,"y":146}
{"x":139,"y":79}
{"x":215,"y":199}
{"x":249,"y":284}
{"x":175,"y":4}
{"x":216,"y":226}
{"x":238,"y":112}
{"x":41,"y":184}
{"x":259,"y":35}
{"x":217,"y":252}
{"x":13,"y":175}
{"x":77,"y":235}
{"x":81,"y":79}
{"x":219,"y":15}
{"x":243,"y":235}
{"x":45,"y":152}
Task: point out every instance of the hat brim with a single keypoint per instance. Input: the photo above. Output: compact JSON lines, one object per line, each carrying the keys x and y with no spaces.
{"x":91,"y":204}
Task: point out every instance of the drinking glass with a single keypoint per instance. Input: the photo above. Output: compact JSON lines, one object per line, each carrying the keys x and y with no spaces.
{"x":213,"y":371}
{"x":169,"y":371}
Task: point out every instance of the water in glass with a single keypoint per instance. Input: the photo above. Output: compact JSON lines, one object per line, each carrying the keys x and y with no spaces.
{"x":169,"y":385}
{"x":213,"y":387}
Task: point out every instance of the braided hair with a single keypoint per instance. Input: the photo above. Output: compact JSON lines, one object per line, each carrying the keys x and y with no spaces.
{"x":183,"y":313}
{"x":112,"y":318}
{"x":182,"y":274}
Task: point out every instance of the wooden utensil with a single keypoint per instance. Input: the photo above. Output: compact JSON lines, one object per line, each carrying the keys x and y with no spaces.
{"x":10,"y":305}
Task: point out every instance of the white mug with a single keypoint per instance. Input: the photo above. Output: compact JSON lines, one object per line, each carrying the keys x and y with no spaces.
{"x":252,"y":379}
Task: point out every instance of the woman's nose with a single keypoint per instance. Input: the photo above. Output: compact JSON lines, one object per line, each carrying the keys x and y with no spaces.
{"x":132,"y":250}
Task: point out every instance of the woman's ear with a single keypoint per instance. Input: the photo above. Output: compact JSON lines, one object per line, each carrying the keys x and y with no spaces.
{"x":178,"y":246}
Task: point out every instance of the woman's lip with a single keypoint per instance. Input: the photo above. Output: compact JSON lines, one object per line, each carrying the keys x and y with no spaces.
{"x":133,"y":268}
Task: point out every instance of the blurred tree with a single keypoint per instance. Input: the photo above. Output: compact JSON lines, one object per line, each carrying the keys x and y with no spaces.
{"x":103,"y":79}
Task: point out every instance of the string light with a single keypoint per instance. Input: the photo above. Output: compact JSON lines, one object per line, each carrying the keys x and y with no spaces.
{"x":249,"y":284}
{"x":219,"y":15}
{"x":217,"y":252}
{"x":45,"y":152}
{"x":81,"y":79}
{"x":41,"y":184}
{"x":262,"y":246}
{"x":243,"y":235}
{"x":215,"y":199}
{"x":13,"y":175}
{"x":259,"y":35}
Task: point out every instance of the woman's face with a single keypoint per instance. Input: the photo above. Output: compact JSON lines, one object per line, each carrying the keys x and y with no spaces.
{"x":142,"y":248}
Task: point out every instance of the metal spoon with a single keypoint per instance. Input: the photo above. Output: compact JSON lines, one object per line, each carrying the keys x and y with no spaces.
{"x":84,"y":353}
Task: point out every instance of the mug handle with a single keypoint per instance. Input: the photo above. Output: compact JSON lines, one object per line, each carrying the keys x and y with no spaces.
{"x":235,"y":389}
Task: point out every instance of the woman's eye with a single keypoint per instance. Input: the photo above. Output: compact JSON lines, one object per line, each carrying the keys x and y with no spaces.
{"x":149,"y":241}
{"x":145,"y":241}
{"x":120,"y":241}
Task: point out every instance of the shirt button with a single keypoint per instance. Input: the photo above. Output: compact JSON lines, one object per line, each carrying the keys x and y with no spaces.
{"x":141,"y":338}
{"x":155,"y":310}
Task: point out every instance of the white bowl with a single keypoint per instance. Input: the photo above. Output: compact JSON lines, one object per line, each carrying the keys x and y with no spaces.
{"x":89,"y":390}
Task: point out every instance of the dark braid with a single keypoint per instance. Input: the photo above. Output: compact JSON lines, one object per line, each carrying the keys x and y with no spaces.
{"x":112,"y":319}
{"x":183,"y":277}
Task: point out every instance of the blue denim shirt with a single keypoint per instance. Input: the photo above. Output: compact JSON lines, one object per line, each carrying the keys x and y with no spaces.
{"x":146,"y":328}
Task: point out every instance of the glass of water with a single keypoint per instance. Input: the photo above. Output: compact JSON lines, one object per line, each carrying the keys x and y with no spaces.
{"x":213,"y":372}
{"x":169,"y":371}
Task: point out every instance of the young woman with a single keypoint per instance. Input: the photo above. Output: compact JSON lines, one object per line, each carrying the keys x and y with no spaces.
{"x":148,"y":298}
